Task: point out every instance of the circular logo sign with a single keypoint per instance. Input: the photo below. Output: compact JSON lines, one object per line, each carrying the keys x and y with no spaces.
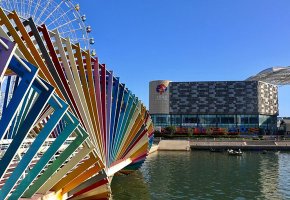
{"x":161,"y":88}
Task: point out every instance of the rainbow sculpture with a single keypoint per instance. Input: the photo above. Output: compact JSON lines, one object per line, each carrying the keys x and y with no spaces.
{"x":67,"y":124}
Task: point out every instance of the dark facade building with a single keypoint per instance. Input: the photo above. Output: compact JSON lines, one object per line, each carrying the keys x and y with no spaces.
{"x":232,"y":106}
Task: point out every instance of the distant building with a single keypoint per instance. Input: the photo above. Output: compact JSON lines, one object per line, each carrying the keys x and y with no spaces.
{"x":283,"y":125}
{"x":234,"y":106}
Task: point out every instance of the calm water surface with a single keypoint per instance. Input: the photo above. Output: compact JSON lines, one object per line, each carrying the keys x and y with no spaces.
{"x":206,"y":175}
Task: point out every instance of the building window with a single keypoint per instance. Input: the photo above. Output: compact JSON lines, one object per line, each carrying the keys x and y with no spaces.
{"x":189,"y":121}
{"x":175,"y":120}
{"x":161,"y":120}
{"x":207,"y":120}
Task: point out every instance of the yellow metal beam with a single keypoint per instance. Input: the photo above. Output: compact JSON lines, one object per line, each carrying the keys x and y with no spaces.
{"x":76,"y":172}
{"x":65,"y":169}
{"x":80,"y":179}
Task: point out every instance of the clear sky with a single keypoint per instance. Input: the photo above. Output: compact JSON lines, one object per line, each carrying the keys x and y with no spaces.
{"x":190,"y":40}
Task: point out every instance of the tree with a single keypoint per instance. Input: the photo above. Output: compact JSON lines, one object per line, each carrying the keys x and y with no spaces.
{"x":170,"y":130}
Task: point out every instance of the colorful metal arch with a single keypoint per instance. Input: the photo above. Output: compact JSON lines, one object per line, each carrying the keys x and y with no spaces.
{"x":67,"y":124}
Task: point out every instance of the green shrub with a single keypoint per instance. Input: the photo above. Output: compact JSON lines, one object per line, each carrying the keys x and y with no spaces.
{"x":170,"y":130}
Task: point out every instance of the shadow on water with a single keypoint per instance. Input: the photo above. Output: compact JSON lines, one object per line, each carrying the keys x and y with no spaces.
{"x":131,"y":186}
{"x":205,"y":175}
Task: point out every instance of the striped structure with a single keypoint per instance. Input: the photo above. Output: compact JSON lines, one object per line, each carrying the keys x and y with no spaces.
{"x":67,"y":124}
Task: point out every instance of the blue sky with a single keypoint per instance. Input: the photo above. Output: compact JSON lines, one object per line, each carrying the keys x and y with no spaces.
{"x":190,"y":40}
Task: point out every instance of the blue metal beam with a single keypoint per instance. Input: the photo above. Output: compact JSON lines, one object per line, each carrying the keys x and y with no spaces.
{"x":57,"y":163}
{"x":26,"y":126}
{"x":19,"y":95}
{"x":35,"y":146}
{"x":40,"y":165}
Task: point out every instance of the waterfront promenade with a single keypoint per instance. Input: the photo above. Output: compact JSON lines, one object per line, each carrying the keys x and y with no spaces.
{"x":224,"y":143}
{"x":243,"y":145}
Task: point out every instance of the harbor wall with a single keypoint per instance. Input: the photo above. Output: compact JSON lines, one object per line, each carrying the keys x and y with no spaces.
{"x":154,"y":148}
{"x":243,"y":145}
{"x":251,"y":145}
{"x":174,"y":145}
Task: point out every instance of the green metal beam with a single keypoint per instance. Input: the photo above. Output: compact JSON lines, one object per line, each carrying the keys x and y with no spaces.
{"x":32,"y":151}
{"x":40,"y":165}
{"x":57,"y":163}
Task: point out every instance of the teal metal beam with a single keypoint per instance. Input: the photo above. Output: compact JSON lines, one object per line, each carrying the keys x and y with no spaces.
{"x":35,"y":146}
{"x":123,"y":106}
{"x":23,"y":131}
{"x":127,"y":118}
{"x":57,"y":163}
{"x":40,"y":165}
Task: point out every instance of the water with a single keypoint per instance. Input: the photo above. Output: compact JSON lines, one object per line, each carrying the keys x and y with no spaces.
{"x":206,"y":175}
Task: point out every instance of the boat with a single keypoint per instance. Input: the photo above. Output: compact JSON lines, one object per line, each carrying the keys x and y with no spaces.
{"x":234,"y":152}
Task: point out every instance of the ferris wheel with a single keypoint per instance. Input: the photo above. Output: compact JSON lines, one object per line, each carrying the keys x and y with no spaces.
{"x":63,"y":15}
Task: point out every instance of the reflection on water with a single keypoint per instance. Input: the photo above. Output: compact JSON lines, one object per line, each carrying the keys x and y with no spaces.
{"x":138,"y":187}
{"x":284,"y":176}
{"x":205,"y":175}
